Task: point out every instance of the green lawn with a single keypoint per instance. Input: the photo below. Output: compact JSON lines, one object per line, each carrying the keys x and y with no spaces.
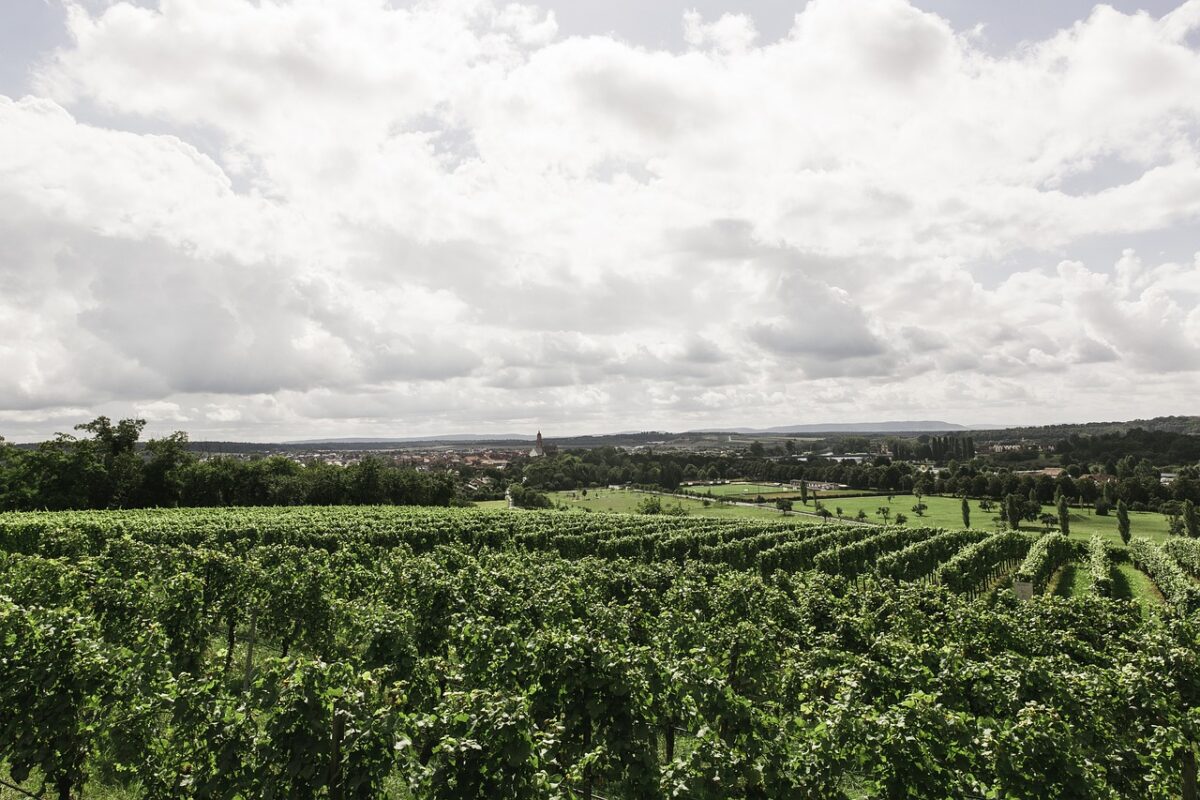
{"x":770,"y":491}
{"x":1130,"y":583}
{"x":491,"y":504}
{"x":1073,"y":580}
{"x":626,"y":501}
{"x":945,"y":512}
{"x":743,"y":491}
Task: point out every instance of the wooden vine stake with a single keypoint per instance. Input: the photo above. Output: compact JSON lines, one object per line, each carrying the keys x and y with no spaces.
{"x":251,"y":638}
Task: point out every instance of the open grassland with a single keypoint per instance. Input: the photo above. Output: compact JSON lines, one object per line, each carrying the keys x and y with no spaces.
{"x":946,"y":512}
{"x":743,"y":491}
{"x":625,"y":501}
{"x":769,"y":491}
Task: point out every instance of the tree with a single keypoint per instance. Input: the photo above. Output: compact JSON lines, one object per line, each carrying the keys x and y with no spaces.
{"x":901,"y":519}
{"x":1190,"y":524}
{"x":1173,"y":511}
{"x":885,"y":512}
{"x":757,"y":450}
{"x":861,"y":515}
{"x":1064,"y":515}
{"x":1013,"y":511}
{"x":115,"y":483}
{"x":804,"y":492}
{"x":966,"y":513}
{"x":162,"y":481}
{"x":651,"y":504}
{"x":783,"y":504}
{"x":523,"y":497}
{"x":1123,"y":521}
{"x":1047,"y":521}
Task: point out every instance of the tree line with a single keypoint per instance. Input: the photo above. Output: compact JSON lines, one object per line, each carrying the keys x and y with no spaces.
{"x":106,"y":466}
{"x":1137,"y":483}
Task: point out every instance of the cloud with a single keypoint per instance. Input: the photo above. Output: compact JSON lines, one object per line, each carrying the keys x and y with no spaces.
{"x":259,"y":218}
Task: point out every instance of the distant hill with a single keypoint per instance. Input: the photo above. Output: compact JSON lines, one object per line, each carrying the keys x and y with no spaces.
{"x":904,"y":426}
{"x":1189,"y":425}
{"x":453,"y":437}
{"x":706,"y":438}
{"x":907,"y":426}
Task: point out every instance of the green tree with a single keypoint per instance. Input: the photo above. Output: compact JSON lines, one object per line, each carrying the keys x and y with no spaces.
{"x":162,"y":479}
{"x":1064,"y":515}
{"x":1013,"y":511}
{"x":804,"y":492}
{"x":1123,"y":521}
{"x":116,"y":447}
{"x":966,"y":513}
{"x":1190,"y":524}
{"x":650,"y":504}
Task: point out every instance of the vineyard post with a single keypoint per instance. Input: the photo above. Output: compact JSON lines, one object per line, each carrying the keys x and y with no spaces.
{"x":251,"y":637}
{"x":334,"y":778}
{"x":231,"y":633}
{"x":1188,"y":768}
{"x":587,"y":745}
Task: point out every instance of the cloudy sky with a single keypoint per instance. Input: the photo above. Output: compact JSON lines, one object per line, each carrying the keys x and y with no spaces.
{"x":269,"y":219}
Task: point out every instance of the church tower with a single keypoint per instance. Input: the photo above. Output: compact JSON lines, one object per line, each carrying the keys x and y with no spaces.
{"x":538,"y":450}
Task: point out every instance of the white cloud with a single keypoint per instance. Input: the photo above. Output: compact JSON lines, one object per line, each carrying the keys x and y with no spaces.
{"x":269,"y":218}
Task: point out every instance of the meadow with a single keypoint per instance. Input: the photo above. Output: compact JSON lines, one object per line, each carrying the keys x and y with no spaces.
{"x":625,"y":501}
{"x":946,"y":512}
{"x":771,"y":491}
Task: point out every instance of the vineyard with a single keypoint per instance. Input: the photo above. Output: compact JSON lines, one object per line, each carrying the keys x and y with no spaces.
{"x":371,"y":652}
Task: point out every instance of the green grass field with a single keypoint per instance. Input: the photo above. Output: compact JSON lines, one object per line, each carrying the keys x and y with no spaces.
{"x":1130,"y":583}
{"x":491,"y":505}
{"x":945,"y":512}
{"x":626,"y":501}
{"x":743,"y":491}
{"x":1073,"y":580}
{"x":770,"y":491}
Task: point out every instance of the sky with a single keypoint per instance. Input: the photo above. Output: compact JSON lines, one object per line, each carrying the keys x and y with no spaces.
{"x":285,"y":219}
